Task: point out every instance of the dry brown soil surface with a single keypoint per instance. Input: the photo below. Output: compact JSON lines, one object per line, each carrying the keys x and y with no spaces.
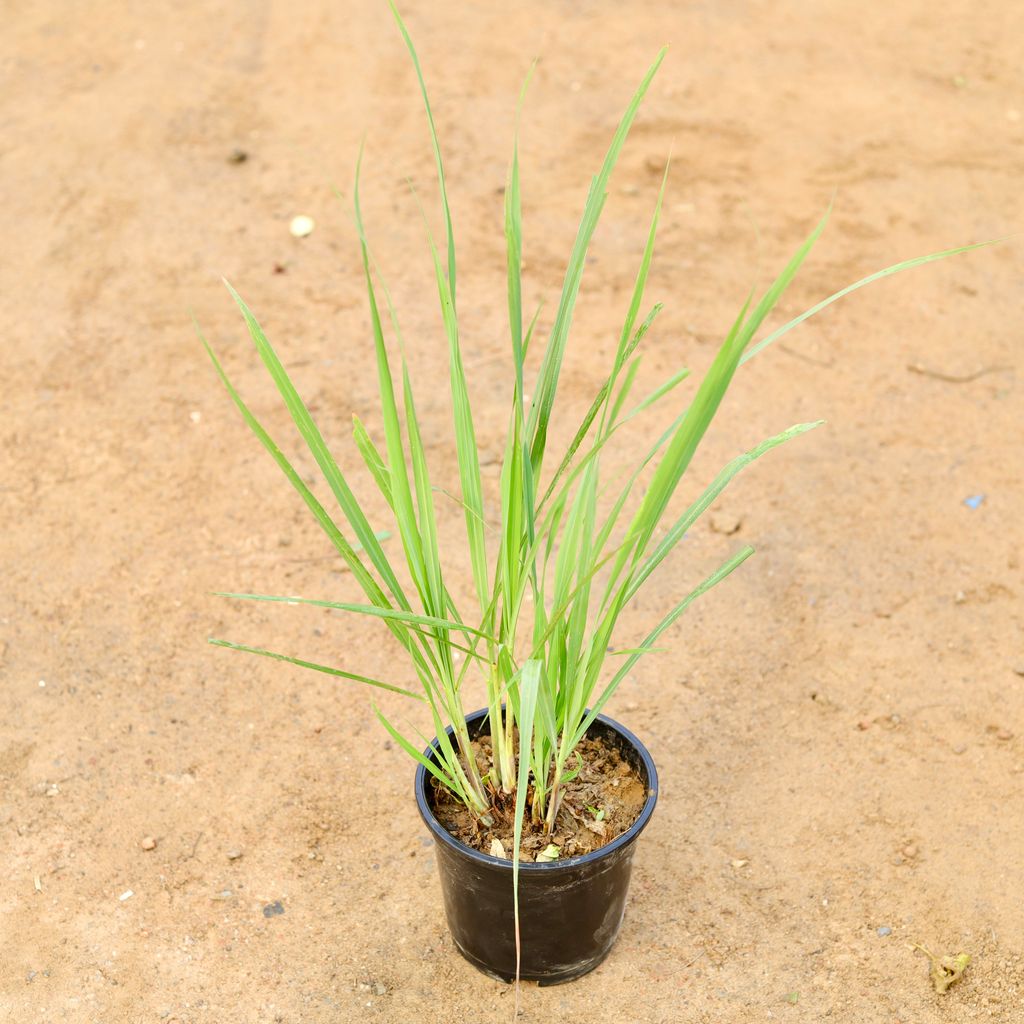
{"x":839,"y":727}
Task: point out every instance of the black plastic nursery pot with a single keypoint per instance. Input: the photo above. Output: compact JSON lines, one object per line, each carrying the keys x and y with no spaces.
{"x":570,"y":911}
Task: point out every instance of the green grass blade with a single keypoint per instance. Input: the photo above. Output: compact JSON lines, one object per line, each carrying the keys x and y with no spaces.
{"x":391,"y":614}
{"x":401,"y":494}
{"x":424,"y":660}
{"x":598,"y":404}
{"x":625,"y":388}
{"x":616,"y":510}
{"x":465,"y":434}
{"x":374,"y":463}
{"x":551,"y":365}
{"x":877,"y":276}
{"x":436,"y":593}
{"x":419,"y":532}
{"x":443,"y":777}
{"x":436,"y":146}
{"x":530,"y":330}
{"x":363,"y":576}
{"x":514,"y":246}
{"x":528,"y":686}
{"x":515,"y":504}
{"x":658,"y":393}
{"x":339,"y":673}
{"x":708,"y":398}
{"x":621,"y":551}
{"x":652,"y":637}
{"x":713,"y":490}
{"x":318,"y":447}
{"x":627,"y":383}
{"x":619,"y":652}
{"x":625,"y":345}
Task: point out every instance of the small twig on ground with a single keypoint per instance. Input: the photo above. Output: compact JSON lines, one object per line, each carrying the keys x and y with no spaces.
{"x":806,"y":358}
{"x":195,"y":846}
{"x":952,"y":378}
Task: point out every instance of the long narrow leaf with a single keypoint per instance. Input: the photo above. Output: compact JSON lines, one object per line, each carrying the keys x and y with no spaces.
{"x":315,"y":667}
{"x":374,"y":463}
{"x":540,"y":411}
{"x":365,"y":579}
{"x":877,"y":276}
{"x":711,"y":492}
{"x":528,"y":686}
{"x":398,"y":479}
{"x":442,"y":777}
{"x":436,"y":146}
{"x":708,"y":398}
{"x":318,"y":447}
{"x":365,"y":609}
{"x":652,"y":637}
{"x":465,"y":434}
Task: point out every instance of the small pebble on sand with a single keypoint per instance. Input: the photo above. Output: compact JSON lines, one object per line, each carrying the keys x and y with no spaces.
{"x":726,"y":523}
{"x":234,"y":854}
{"x":301,"y":226}
{"x":884,"y":930}
{"x":149,"y":843}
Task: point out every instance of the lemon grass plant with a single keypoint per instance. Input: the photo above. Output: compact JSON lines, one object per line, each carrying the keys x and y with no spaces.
{"x":554,"y":575}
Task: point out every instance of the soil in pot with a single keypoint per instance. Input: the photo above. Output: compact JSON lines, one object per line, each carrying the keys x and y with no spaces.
{"x":600,"y":803}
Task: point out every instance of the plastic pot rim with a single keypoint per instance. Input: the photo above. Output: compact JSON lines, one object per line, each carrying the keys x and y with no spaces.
{"x":442,"y":835}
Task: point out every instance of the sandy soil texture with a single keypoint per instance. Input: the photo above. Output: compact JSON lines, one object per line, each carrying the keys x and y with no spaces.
{"x":840,"y":727}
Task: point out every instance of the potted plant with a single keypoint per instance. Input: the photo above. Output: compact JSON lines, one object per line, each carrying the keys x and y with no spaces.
{"x":536,"y":801}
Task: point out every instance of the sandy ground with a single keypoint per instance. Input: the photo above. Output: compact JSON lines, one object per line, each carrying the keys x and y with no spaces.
{"x":840,"y":729}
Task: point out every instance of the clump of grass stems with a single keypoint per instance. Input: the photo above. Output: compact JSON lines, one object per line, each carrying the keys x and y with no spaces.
{"x":553,"y":588}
